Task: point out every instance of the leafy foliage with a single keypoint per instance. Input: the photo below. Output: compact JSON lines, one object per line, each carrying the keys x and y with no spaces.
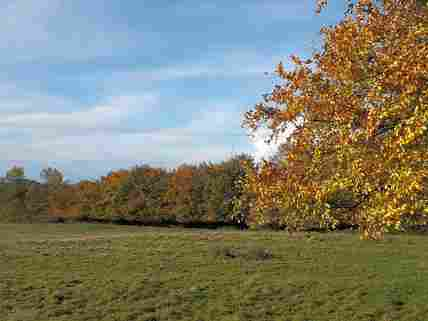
{"x":359,"y":109}
{"x":189,"y":194}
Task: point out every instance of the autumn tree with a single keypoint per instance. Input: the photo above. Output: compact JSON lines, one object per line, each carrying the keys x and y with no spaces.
{"x":59,"y":195}
{"x":145,"y":193}
{"x":359,"y":109}
{"x":111,"y":197}
{"x":88,"y":194}
{"x":223,"y":190}
{"x":179,"y":194}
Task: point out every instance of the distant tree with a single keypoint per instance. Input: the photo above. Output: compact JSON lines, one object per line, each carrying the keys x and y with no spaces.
{"x":22,"y":200}
{"x":52,"y":176}
{"x":36,"y":202}
{"x":88,"y":195}
{"x":179,"y":194}
{"x":112,"y":198}
{"x":15,"y":174}
{"x":143,"y":193}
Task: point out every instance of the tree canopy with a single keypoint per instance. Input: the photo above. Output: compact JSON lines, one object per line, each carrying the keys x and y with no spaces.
{"x":359,"y":107}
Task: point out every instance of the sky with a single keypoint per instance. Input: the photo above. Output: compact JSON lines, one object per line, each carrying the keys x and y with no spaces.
{"x":93,"y":86}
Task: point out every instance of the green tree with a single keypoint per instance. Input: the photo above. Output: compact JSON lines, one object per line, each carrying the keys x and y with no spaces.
{"x":15,"y":174}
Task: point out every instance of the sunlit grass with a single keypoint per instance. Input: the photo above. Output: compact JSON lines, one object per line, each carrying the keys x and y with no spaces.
{"x":75,"y":272}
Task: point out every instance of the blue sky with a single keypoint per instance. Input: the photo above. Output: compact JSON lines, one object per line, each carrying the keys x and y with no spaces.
{"x":91,"y":86}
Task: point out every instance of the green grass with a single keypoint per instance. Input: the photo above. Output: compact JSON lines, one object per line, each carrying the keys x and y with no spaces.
{"x":77,"y":272}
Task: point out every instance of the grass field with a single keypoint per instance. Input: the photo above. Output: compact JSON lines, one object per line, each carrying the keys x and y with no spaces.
{"x":76,"y":272}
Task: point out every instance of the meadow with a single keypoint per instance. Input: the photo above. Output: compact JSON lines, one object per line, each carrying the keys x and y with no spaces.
{"x":88,"y":272}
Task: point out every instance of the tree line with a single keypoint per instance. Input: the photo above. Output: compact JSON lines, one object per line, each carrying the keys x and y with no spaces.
{"x":204,"y":194}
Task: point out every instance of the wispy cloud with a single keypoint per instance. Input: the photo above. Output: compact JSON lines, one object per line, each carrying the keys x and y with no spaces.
{"x":16,"y":99}
{"x":219,"y":64}
{"x":92,"y":134}
{"x":101,"y":117}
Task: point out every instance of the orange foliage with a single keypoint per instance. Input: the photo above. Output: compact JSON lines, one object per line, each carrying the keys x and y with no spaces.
{"x":360,"y":112}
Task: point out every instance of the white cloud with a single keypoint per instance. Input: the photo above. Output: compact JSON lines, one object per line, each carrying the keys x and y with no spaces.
{"x":264,"y":149}
{"x":15,"y":100}
{"x":222,"y":64}
{"x":90,"y":134}
{"x":101,"y":132}
{"x":100,"y":117}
